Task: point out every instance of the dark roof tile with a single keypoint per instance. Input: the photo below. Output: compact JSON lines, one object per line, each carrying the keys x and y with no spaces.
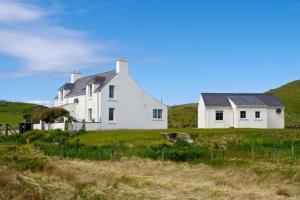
{"x":241,"y":99}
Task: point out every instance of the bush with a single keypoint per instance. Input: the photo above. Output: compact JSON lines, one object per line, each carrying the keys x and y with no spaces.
{"x":49,"y":115}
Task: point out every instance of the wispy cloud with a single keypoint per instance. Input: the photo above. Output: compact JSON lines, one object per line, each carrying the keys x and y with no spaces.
{"x":28,"y":35}
{"x":11,"y":11}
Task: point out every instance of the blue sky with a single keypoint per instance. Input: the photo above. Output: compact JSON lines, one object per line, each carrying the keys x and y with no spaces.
{"x":175,"y":49}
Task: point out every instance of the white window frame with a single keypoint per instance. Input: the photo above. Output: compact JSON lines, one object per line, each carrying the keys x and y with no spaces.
{"x":113,"y":114}
{"x":157,"y":114}
{"x":61,"y":95}
{"x":219,"y":112}
{"x":241,"y":114}
{"x":259,"y":113}
{"x":113,"y":92}
{"x":90,"y":90}
{"x":90,"y":114}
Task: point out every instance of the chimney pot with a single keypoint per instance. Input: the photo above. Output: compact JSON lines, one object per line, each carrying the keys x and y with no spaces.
{"x":122,"y":66}
{"x":75,"y":75}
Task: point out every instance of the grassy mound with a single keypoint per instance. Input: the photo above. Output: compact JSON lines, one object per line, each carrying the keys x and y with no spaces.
{"x":183,"y":116}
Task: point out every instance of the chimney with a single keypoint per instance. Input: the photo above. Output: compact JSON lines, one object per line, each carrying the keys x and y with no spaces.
{"x":122,"y":66}
{"x":75,"y":76}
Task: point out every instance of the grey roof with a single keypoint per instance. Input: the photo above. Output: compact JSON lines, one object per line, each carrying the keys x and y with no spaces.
{"x":78,"y":88}
{"x":66,"y":86}
{"x":241,"y":99}
{"x":247,"y":101}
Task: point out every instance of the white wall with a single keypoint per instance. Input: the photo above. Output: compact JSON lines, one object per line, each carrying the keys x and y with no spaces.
{"x":251,"y":121}
{"x":210,"y":116}
{"x":201,"y":114}
{"x":77,"y":110}
{"x":231,"y":117}
{"x":275,"y":120}
{"x":133,"y":107}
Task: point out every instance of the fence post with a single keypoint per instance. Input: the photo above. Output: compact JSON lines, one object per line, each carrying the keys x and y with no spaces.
{"x":112,"y":154}
{"x":163,"y":154}
{"x":6,"y":129}
{"x":211,"y":154}
{"x":252,"y":152}
{"x":293,"y":150}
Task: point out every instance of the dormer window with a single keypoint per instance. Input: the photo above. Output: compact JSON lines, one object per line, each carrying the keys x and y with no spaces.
{"x":111,"y":91}
{"x":90,"y":90}
{"x":61,"y":95}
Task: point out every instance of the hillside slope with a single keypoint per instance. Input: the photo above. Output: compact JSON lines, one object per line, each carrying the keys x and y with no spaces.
{"x":183,"y":116}
{"x":289,"y":95}
{"x":14,"y":112}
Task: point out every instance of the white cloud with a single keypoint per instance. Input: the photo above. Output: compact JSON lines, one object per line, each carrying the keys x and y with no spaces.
{"x":26,"y":34}
{"x":12,"y":11}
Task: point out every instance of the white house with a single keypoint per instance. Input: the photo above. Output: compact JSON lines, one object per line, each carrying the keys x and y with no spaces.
{"x":111,"y":100}
{"x":225,"y":110}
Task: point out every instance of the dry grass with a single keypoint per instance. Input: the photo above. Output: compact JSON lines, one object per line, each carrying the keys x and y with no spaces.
{"x":146,"y":179}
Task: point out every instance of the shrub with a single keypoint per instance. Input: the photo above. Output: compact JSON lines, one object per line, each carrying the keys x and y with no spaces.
{"x":82,"y":151}
{"x":180,"y":151}
{"x":49,"y":115}
{"x":21,"y":158}
{"x":52,"y":136}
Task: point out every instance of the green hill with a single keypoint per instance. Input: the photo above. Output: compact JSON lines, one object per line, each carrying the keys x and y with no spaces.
{"x":289,"y":95}
{"x":14,"y":112}
{"x":183,"y":116}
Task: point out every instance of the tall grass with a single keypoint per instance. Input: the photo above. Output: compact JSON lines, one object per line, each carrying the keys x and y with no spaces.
{"x":76,"y":150}
{"x":180,"y":151}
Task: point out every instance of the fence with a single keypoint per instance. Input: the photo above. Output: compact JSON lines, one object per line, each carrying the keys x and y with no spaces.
{"x":50,"y":126}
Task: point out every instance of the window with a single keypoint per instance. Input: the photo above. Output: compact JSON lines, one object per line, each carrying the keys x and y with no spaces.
{"x":76,"y":100}
{"x":111,"y":91}
{"x":61,"y":95}
{"x":243,"y":115}
{"x":219,"y":115}
{"x":111,"y":114}
{"x":157,"y":113}
{"x":257,"y":115}
{"x":90,"y":90}
{"x":90,"y":114}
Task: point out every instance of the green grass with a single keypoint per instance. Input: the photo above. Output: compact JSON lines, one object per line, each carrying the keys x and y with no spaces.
{"x":289,"y":94}
{"x":125,"y":136}
{"x":148,"y":136}
{"x":226,"y":145}
{"x":183,"y":116}
{"x":13,"y":112}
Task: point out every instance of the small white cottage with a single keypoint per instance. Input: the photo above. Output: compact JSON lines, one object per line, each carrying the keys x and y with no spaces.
{"x":226,"y":110}
{"x":111,"y":100}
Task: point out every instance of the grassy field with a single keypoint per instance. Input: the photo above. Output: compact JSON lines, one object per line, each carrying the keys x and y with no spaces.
{"x":13,"y":112}
{"x":27,"y":173}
